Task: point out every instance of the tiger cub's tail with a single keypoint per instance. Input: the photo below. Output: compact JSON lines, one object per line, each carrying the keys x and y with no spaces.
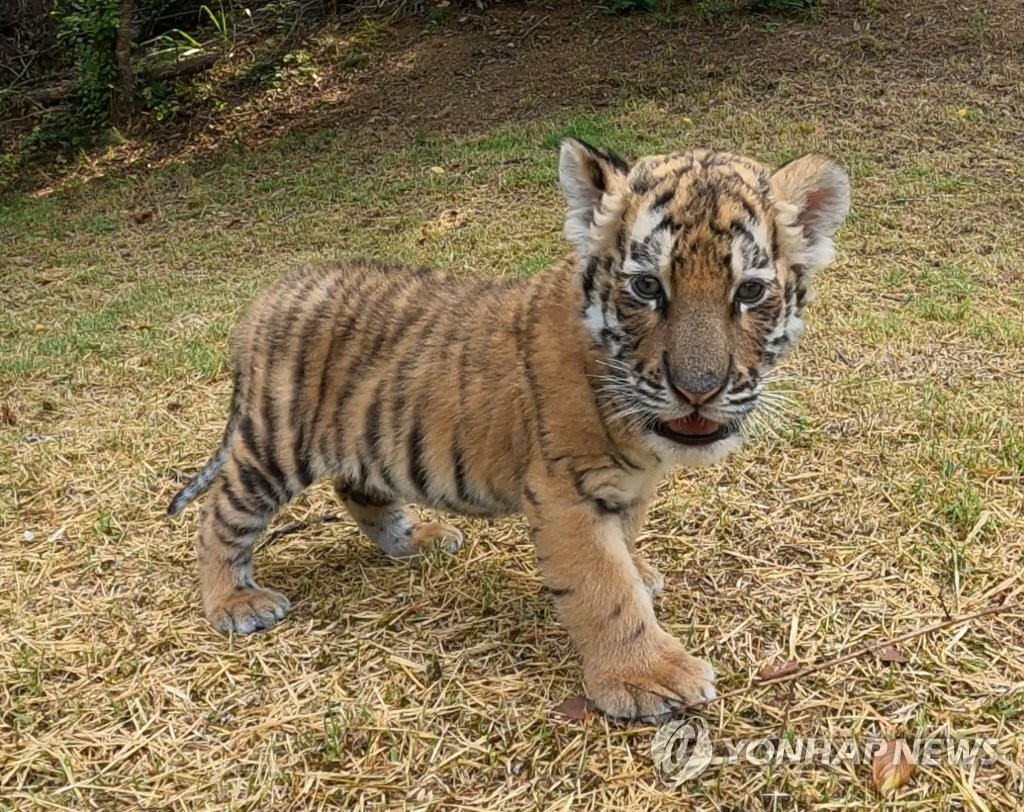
{"x":202,"y":481}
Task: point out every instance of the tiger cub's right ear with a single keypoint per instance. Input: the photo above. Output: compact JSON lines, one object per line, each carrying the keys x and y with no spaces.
{"x":586,"y":175}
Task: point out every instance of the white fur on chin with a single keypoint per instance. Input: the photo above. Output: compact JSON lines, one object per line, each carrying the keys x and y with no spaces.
{"x":689,"y":456}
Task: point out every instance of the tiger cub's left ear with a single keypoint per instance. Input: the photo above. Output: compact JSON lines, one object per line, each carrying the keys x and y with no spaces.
{"x":817,"y":190}
{"x":586,"y":175}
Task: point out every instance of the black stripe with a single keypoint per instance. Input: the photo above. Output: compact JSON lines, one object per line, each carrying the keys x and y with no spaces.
{"x":461,"y":481}
{"x":273,"y":474}
{"x":256,"y":484}
{"x":577,"y":482}
{"x":398,"y":401}
{"x":588,"y":279}
{"x":413,"y":341}
{"x":360,"y":369}
{"x":562,"y":593}
{"x":642,"y":252}
{"x":622,"y":460}
{"x":417,"y":469}
{"x":365,"y":498}
{"x":276,"y":342}
{"x":236,"y":502}
{"x":747,"y":207}
{"x":302,"y":466}
{"x":371,"y":432}
{"x":236,"y":405}
{"x":309,"y":339}
{"x":365,"y":320}
{"x":268,"y":448}
{"x":236,"y":529}
{"x":740,"y":229}
{"x":371,"y":441}
{"x":339,"y":337}
{"x":598,"y":155}
{"x":387,"y":478}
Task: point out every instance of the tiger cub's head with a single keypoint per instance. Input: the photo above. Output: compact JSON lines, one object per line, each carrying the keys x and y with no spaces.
{"x":695,"y":268}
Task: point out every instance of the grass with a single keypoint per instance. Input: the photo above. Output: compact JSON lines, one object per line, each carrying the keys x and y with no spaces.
{"x":888,"y":495}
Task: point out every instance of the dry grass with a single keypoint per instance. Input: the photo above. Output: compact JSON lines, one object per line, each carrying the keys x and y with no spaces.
{"x":888,"y":495}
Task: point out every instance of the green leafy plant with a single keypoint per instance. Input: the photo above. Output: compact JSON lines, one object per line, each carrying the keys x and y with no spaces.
{"x":160,"y":99}
{"x":220,"y":23}
{"x":89,"y":28}
{"x":58,"y":129}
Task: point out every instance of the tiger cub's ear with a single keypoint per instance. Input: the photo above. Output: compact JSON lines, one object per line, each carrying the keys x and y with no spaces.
{"x":817,"y":190}
{"x":586,"y":175}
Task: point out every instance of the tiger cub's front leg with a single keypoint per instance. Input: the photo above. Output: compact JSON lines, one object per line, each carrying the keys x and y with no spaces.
{"x":631,"y":666}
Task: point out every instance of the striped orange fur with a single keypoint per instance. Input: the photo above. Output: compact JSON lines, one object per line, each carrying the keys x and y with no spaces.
{"x":566,"y":397}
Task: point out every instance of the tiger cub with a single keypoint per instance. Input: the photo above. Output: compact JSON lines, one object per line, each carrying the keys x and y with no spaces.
{"x":566,"y":397}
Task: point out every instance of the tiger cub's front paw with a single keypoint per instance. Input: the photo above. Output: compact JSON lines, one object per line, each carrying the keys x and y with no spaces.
{"x":248,"y":610}
{"x":653,"y":680}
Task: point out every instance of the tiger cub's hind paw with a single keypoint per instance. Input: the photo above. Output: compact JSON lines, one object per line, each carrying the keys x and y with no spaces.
{"x":422,"y":536}
{"x":430,"y":534}
{"x":653,"y":580}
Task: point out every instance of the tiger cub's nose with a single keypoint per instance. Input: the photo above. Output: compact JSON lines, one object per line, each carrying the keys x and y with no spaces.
{"x":698,"y":398}
{"x":700,"y":387}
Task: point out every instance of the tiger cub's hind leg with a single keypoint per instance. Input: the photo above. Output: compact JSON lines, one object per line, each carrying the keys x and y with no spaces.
{"x":237,"y":508}
{"x":653,"y":580}
{"x":389,"y":525}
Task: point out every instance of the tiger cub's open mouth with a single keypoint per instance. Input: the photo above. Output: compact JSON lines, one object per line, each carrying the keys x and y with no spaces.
{"x":693,"y":430}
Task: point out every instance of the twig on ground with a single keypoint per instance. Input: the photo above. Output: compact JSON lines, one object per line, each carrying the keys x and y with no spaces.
{"x":295,"y":527}
{"x":853,"y":655}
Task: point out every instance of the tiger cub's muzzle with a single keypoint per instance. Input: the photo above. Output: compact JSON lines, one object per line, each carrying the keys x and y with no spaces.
{"x":696,"y":388}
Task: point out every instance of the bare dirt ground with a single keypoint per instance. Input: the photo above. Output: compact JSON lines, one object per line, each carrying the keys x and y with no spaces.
{"x":886,"y":499}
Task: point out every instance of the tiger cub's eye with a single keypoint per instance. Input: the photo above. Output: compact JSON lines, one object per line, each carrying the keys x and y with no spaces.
{"x":751,"y":292}
{"x":647,"y":287}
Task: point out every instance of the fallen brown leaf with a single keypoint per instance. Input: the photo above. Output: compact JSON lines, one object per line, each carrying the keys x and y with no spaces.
{"x":576,"y":707}
{"x":892,"y":767}
{"x":890,"y":654}
{"x":7,"y":417}
{"x":777,"y":670}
